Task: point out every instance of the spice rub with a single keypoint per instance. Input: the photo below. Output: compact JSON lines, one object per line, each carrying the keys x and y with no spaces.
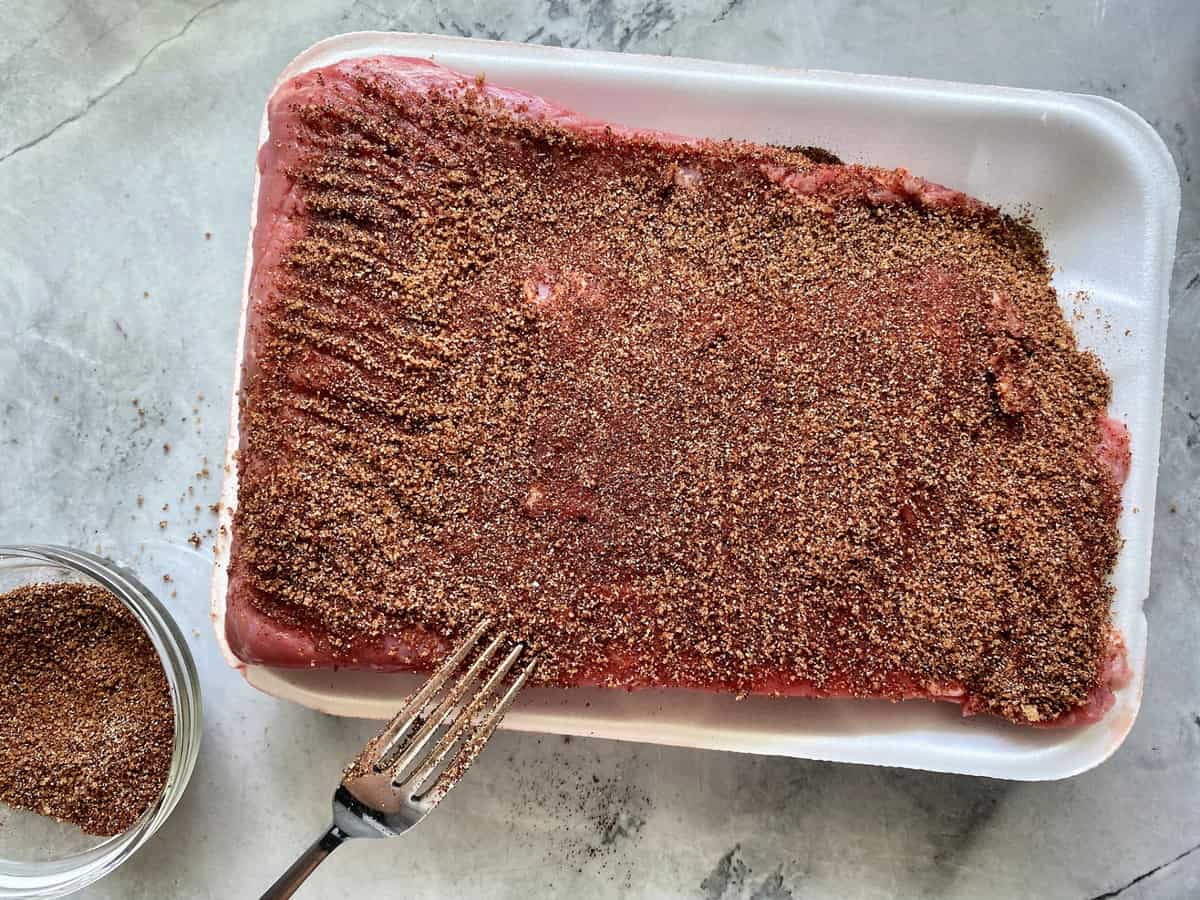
{"x":689,"y":413}
{"x":87,"y":727}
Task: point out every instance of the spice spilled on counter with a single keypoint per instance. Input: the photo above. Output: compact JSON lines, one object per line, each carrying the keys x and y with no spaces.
{"x":87,"y":725}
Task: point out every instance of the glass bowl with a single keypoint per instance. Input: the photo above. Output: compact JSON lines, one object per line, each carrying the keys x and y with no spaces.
{"x":39,"y":856}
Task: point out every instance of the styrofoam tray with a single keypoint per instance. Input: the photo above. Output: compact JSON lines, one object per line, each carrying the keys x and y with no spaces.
{"x":1106,"y":197}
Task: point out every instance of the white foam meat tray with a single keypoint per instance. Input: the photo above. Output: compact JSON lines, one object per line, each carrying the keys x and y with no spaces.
{"x":1105,"y":195}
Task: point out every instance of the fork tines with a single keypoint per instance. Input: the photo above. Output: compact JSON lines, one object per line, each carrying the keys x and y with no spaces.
{"x":462,"y":713}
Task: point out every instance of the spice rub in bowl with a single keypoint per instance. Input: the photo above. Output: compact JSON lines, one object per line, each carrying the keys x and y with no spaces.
{"x":87,"y":726}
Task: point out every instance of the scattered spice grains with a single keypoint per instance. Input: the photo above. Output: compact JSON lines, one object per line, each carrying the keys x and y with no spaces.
{"x":709,"y":414}
{"x":593,"y":820}
{"x":86,"y":722}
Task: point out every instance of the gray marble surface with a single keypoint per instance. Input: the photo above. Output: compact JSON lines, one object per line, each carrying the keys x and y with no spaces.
{"x":127,"y":131}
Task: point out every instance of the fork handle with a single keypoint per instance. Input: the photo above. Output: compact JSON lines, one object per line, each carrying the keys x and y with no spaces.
{"x":297,"y":872}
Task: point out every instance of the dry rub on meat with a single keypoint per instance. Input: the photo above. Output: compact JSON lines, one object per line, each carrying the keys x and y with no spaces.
{"x":679,"y":412}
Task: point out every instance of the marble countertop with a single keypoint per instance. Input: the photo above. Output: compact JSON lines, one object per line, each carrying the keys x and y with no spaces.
{"x":125,"y":174}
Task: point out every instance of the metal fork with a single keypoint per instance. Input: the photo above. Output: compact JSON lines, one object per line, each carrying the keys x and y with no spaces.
{"x":393,"y":783}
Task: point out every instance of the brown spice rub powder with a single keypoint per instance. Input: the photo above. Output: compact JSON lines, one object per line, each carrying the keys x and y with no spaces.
{"x":86,"y":722}
{"x":667,"y":420}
